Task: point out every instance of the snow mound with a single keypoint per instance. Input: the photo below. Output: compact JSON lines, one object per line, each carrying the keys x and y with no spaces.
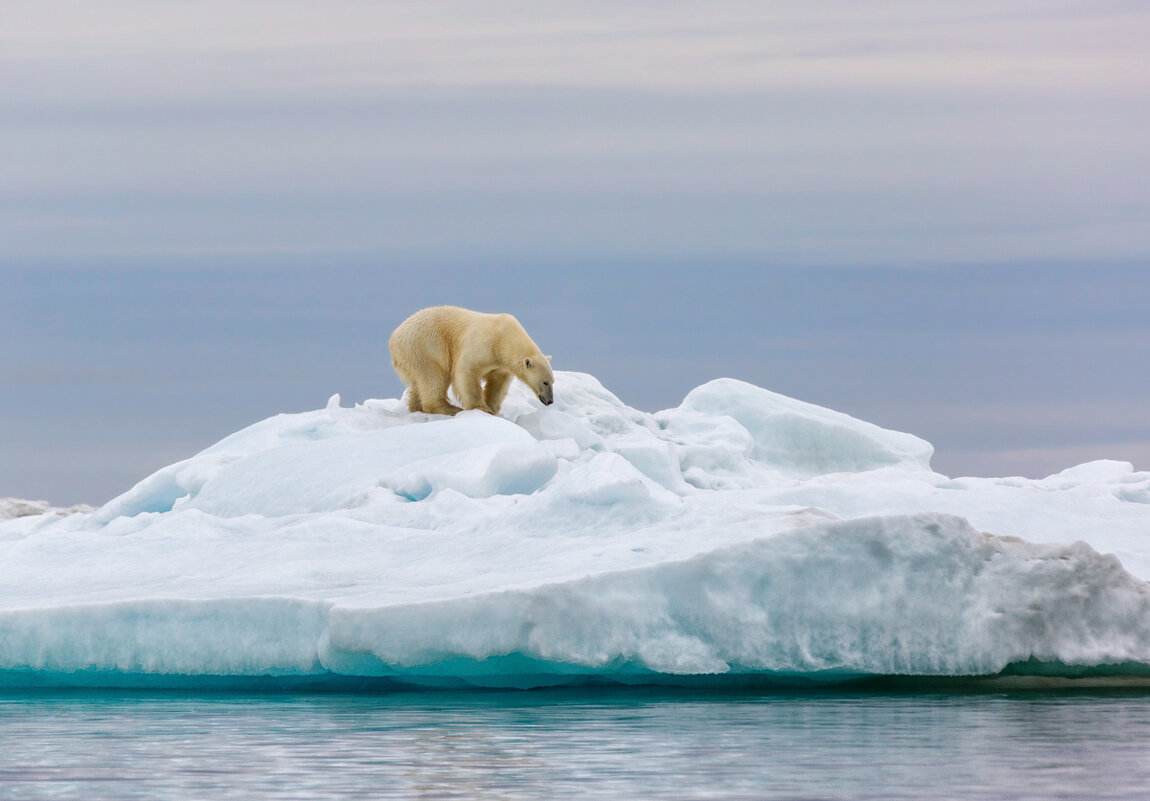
{"x":742,"y":534}
{"x":19,"y":507}
{"x":797,"y":438}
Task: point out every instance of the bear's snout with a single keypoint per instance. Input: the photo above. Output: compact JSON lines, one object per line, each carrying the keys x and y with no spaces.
{"x":546,"y":396}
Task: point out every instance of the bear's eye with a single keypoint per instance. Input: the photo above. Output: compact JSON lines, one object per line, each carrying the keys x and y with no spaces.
{"x":546,"y":383}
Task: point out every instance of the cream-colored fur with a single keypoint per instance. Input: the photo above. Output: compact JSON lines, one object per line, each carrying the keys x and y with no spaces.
{"x":478,"y":354}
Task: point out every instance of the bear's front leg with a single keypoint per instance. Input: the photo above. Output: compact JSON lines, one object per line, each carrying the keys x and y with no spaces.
{"x":495,"y":389}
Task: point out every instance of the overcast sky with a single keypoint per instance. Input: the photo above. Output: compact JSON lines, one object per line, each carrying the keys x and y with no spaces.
{"x":935,"y":216}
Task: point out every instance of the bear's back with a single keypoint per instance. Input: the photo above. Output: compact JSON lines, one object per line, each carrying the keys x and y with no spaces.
{"x":449,"y":326}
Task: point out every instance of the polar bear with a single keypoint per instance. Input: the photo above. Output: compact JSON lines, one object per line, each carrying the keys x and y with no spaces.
{"x":478,"y":354}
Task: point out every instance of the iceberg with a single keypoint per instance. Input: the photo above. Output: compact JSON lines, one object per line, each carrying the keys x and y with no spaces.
{"x":742,"y":537}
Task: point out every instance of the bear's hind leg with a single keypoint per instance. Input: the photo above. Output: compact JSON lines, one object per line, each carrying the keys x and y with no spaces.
{"x":413,"y":402}
{"x":434,"y":399}
{"x":443,"y":406}
{"x":469,"y":390}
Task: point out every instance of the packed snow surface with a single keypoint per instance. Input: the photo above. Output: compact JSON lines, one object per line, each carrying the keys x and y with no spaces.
{"x":742,"y":535}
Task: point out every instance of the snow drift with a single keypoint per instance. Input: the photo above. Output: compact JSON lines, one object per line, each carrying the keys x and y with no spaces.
{"x":741,"y":535}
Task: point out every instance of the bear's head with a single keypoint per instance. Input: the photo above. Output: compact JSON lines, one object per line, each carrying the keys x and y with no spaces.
{"x":535,"y":372}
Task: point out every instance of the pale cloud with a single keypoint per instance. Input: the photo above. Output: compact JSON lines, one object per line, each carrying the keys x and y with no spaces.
{"x":829,"y":132}
{"x":724,"y":46}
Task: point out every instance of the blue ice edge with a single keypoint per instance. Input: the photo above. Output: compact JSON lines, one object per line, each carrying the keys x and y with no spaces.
{"x":906,"y":601}
{"x":520,"y":672}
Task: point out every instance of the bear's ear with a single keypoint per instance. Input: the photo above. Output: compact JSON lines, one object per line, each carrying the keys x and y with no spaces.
{"x":548,"y":358}
{"x":527,"y":362}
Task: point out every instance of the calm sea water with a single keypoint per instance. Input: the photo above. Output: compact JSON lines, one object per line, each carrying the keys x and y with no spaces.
{"x":587,"y":744}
